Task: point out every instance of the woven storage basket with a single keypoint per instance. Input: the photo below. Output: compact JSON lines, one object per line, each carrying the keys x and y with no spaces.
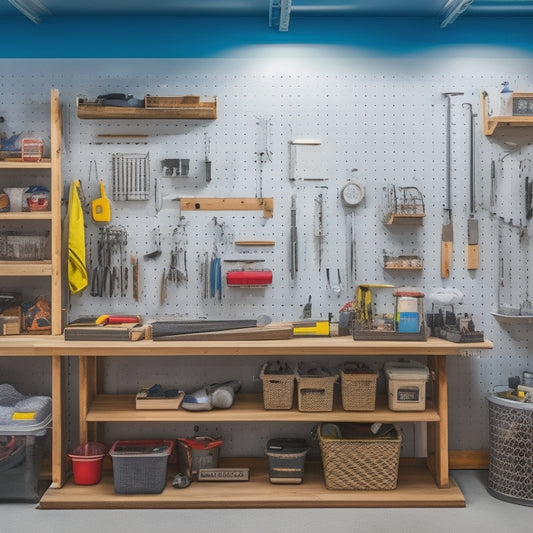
{"x":360,"y":463}
{"x":358,"y":387}
{"x":315,"y":391}
{"x":278,"y":387}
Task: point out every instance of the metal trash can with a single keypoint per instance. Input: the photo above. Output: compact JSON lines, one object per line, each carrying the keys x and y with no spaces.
{"x":511,"y":450}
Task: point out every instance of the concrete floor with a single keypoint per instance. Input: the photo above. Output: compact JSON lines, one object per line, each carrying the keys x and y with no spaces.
{"x":483,"y":513}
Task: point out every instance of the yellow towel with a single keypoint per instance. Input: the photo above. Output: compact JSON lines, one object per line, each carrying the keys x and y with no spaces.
{"x":76,"y":268}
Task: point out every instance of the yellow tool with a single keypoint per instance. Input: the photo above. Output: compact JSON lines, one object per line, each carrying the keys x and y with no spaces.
{"x":311,"y":328}
{"x":100,"y":207}
{"x":363,"y":300}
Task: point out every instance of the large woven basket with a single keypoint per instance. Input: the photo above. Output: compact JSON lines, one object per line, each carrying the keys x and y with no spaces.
{"x":278,"y":388}
{"x":358,"y":387}
{"x":360,"y":463}
{"x":315,"y":392}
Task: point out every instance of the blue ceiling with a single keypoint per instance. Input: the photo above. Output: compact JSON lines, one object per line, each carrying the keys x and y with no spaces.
{"x":234,"y":8}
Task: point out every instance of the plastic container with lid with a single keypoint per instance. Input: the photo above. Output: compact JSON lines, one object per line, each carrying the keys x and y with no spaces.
{"x":286,"y":460}
{"x":406,"y":382}
{"x":25,"y":422}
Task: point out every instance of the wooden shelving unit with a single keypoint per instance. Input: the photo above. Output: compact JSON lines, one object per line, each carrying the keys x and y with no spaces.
{"x":50,"y":268}
{"x":423,"y":482}
{"x":491,"y":124}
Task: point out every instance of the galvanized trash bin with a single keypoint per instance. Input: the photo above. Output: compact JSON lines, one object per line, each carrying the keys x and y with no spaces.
{"x":511,"y":450}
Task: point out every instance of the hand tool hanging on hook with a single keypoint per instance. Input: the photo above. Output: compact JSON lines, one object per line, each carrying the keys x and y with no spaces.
{"x":447,"y":229}
{"x":294,"y":239}
{"x":472,"y":247}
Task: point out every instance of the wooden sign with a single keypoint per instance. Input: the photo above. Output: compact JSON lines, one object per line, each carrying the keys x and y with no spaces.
{"x":224,"y":474}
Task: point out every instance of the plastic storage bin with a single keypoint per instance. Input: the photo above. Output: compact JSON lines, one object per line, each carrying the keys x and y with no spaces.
{"x":286,"y":460}
{"x":140,"y":466}
{"x":87,"y":462}
{"x":406,"y":383}
{"x":510,"y":447}
{"x":24,"y":428}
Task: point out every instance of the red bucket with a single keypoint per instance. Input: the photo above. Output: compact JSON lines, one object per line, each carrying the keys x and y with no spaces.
{"x":87,"y":462}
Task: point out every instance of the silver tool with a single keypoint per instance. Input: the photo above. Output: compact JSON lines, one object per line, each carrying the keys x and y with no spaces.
{"x":294,"y":240}
{"x":319,"y":226}
{"x":131,"y":177}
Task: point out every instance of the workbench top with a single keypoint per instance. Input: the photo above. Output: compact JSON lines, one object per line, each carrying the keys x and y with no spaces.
{"x":40,"y":345}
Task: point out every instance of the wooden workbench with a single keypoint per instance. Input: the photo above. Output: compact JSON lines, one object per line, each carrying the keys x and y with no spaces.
{"x":419,"y":485}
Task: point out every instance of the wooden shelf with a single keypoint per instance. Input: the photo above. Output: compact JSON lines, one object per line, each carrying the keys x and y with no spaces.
{"x":403,"y":268}
{"x":493,"y":123}
{"x":416,"y":488}
{"x":19,"y":163}
{"x":247,"y":408}
{"x":297,"y":346}
{"x":25,"y":268}
{"x":202,"y":111}
{"x":400,"y":219}
{"x":26,"y":215}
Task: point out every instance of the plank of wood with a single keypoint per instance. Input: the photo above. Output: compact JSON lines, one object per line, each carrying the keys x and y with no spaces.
{"x":228,"y":204}
{"x":416,"y":488}
{"x":255,"y":243}
{"x":260,"y":333}
{"x":163,"y":329}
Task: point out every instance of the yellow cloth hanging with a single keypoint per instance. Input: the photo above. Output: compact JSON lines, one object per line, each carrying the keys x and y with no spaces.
{"x":76,"y":267}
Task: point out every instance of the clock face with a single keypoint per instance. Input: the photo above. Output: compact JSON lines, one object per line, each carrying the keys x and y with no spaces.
{"x":352,"y":193}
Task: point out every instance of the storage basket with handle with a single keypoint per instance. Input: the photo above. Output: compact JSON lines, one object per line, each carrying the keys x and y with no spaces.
{"x":315,"y":388}
{"x":360,"y":460}
{"x":278,"y":385}
{"x":358,"y":387}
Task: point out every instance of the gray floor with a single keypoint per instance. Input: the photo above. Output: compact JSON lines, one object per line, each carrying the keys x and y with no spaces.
{"x":483,"y":513}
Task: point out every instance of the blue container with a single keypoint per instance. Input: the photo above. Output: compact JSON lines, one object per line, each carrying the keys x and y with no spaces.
{"x":408,"y":323}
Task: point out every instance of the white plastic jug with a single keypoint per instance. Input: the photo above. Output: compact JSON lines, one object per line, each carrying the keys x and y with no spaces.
{"x":17,"y":198}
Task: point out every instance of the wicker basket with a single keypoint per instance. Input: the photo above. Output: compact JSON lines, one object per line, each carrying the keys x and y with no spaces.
{"x":315,"y":389}
{"x":360,"y":462}
{"x":358,"y":387}
{"x":278,"y":386}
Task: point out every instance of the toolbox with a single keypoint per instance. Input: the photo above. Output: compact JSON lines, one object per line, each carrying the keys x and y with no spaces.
{"x":406,"y":382}
{"x":286,"y":460}
{"x":140,"y":466}
{"x":24,"y":432}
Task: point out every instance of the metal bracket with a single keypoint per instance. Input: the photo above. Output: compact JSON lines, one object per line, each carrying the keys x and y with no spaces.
{"x":279,"y":14}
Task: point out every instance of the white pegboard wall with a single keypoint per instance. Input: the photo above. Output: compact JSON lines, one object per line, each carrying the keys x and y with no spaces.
{"x":386,"y":121}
